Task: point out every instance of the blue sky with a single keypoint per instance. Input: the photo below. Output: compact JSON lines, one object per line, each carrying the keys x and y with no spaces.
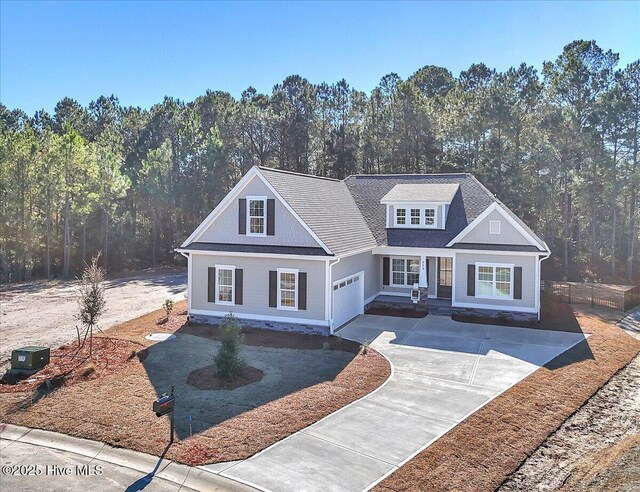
{"x":142,"y":51}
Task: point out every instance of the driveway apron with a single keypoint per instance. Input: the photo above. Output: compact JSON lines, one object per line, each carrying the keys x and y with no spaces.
{"x":443,"y":371}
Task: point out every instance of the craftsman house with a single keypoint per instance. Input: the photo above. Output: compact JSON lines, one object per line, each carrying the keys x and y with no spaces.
{"x":306,"y":253}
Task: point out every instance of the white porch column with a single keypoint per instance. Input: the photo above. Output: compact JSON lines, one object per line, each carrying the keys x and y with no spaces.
{"x":423,"y":281}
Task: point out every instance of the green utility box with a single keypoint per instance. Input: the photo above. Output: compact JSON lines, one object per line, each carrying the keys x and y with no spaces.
{"x":30,"y":358}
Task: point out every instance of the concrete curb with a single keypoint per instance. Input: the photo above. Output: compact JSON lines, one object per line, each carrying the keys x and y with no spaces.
{"x":200,"y":478}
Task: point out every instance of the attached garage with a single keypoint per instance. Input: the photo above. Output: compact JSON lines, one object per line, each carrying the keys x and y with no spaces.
{"x":347,"y":299}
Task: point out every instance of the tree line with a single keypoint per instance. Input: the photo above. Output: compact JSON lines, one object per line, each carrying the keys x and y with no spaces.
{"x":559,"y":147}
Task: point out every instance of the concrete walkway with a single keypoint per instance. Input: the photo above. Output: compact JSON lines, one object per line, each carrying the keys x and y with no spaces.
{"x":443,"y":372}
{"x":38,"y":460}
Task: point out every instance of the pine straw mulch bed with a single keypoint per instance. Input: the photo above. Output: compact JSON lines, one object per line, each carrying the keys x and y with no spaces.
{"x":69,"y":366}
{"x":482,"y":451}
{"x":116,"y":407}
{"x":206,"y":378}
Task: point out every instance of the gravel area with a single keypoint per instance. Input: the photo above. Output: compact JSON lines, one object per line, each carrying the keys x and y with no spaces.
{"x":598,"y":448}
{"x":43,"y":313}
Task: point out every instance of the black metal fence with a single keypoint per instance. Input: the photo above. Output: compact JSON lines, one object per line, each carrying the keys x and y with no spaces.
{"x":612,"y":296}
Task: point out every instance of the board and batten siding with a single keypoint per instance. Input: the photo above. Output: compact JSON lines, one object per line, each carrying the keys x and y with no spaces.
{"x":255,"y":295}
{"x":433,"y":271}
{"x":364,"y":262}
{"x":527,"y":263}
{"x":508,"y":233}
{"x":288,"y":230}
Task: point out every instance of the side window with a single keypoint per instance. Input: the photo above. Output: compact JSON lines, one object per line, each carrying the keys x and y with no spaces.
{"x":256,"y":216}
{"x":224,"y":284}
{"x":401,"y":216}
{"x":287,"y":289}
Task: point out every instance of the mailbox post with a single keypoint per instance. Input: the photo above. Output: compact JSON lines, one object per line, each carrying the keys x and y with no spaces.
{"x":164,"y":405}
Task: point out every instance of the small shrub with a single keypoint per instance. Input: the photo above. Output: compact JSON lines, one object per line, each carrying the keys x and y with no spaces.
{"x":228,"y":361}
{"x":132,"y":354}
{"x":326,"y":346}
{"x":168,"y":307}
{"x":502,"y":318}
{"x":87,"y":370}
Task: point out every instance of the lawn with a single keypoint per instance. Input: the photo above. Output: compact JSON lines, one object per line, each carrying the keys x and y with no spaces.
{"x":481,"y":452}
{"x":303,"y":378}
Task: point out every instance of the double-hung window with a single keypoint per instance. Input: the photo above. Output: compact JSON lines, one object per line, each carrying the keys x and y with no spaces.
{"x":401,"y":216}
{"x":404,"y":272}
{"x":225,"y":280}
{"x":429,"y":216}
{"x":287,"y":289}
{"x":494,"y":281}
{"x":256,"y":216}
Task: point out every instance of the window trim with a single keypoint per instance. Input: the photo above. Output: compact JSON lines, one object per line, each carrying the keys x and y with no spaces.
{"x":262,"y":199}
{"x":423,"y":219}
{"x":493,"y":223}
{"x":233,"y":284}
{"x":279,"y":289}
{"x":510,"y":266}
{"x":406,"y":271}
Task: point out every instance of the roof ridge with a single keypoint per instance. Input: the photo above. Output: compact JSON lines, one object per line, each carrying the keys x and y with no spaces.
{"x":284,"y":171}
{"x":375,"y":175}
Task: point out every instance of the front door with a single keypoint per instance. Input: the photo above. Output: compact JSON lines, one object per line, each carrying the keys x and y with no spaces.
{"x":445,"y":271}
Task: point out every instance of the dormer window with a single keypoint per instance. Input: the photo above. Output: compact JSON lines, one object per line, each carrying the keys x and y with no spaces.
{"x":415,"y":216}
{"x":401,"y":216}
{"x":256,"y":216}
{"x":429,"y":216}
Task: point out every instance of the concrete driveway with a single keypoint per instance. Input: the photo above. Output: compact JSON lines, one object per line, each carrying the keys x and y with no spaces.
{"x":443,"y":371}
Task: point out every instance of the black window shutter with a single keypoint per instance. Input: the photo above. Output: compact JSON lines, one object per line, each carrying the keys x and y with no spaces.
{"x":517,"y":282}
{"x":273,"y":288}
{"x":271,"y":217}
{"x":211,"y":289}
{"x":238,"y":286}
{"x":302,"y":291}
{"x":471,"y":280}
{"x":242,"y":216}
{"x":385,"y":270}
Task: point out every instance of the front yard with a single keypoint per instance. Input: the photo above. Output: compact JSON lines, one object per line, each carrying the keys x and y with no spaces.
{"x":303,"y":378}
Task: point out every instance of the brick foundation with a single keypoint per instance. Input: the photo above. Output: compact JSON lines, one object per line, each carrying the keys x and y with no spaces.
{"x":490,"y":313}
{"x":269,"y":325}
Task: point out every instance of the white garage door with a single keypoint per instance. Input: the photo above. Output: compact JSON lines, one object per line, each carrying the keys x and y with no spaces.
{"x":348,"y":299}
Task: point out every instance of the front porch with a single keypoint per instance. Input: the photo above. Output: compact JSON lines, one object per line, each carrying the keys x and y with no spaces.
{"x":394,"y":303}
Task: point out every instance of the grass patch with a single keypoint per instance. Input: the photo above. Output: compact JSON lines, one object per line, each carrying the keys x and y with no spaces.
{"x":482,"y":451}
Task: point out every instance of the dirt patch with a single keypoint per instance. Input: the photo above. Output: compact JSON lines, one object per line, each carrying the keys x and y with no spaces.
{"x":588,"y":448}
{"x":69,"y":366}
{"x":275,"y":339}
{"x":558,"y":317}
{"x":401,"y":313}
{"x":482,"y":451}
{"x":116,"y":407}
{"x":206,"y":378}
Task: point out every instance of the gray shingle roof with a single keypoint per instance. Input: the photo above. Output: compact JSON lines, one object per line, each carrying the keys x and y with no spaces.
{"x":422,"y":192}
{"x":326,"y":206}
{"x":348,"y":216}
{"x":470,"y":200}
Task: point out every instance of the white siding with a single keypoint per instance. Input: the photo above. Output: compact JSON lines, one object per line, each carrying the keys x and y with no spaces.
{"x":256,"y":285}
{"x":528,"y":264}
{"x":288,"y":230}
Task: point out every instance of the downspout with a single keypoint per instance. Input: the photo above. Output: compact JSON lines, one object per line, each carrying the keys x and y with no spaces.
{"x":540,"y":260}
{"x":329,"y":282}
